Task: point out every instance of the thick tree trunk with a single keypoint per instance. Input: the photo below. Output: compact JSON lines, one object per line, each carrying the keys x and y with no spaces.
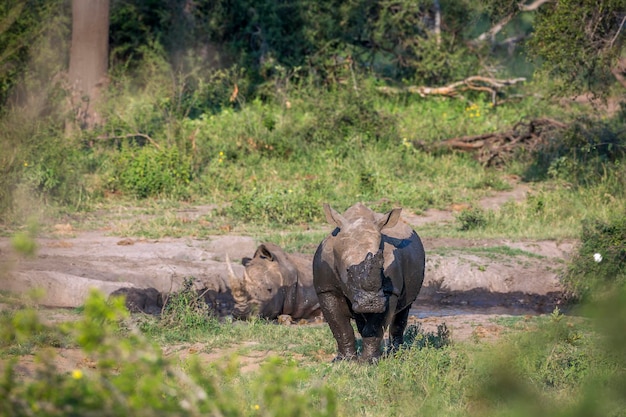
{"x":89,"y":56}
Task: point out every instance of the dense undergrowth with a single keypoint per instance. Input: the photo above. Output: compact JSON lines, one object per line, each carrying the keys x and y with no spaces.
{"x":552,"y":365}
{"x":270,"y":164}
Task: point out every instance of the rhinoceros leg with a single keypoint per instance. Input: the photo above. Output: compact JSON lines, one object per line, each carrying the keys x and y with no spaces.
{"x":337,"y":313}
{"x":370,"y":327}
{"x":396,"y":329}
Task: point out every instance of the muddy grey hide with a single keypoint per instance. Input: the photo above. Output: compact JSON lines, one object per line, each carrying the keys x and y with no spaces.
{"x":370,"y":269}
{"x":275,"y":283}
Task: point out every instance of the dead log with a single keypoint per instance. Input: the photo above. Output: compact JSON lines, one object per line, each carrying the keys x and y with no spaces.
{"x":494,"y":149}
{"x":476,"y":83}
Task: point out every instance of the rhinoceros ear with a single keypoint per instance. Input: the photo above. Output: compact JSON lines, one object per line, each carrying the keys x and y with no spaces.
{"x":333,"y":217}
{"x":389,"y":219}
{"x":264,"y":252}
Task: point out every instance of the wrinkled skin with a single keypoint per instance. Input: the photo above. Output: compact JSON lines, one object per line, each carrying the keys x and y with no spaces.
{"x":275,"y":283}
{"x":141,"y":300}
{"x":370,"y":269}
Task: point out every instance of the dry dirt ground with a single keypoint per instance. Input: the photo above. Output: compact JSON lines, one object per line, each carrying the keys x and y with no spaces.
{"x":469,"y":283}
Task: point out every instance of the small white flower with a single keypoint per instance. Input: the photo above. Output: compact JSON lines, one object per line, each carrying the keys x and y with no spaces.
{"x":597,"y":257}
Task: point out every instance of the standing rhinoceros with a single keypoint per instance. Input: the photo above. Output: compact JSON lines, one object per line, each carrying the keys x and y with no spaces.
{"x":370,"y":268}
{"x":275,"y":283}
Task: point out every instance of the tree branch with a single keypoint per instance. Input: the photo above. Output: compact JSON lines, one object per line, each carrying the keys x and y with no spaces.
{"x":491,"y":33}
{"x":532,"y":6}
{"x":617,"y":33}
{"x":131,"y":135}
{"x":477,"y":83}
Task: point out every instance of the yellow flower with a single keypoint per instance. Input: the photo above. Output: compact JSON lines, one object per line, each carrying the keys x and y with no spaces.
{"x":25,"y":163}
{"x":77,"y":374}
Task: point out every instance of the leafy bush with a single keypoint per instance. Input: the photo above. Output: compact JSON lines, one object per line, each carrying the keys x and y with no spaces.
{"x":131,"y":376}
{"x":600,"y":262}
{"x":473,"y":218}
{"x":185,"y":310}
{"x":149,"y":171}
{"x":38,"y":164}
{"x":584,"y":153}
{"x":415,"y":337}
{"x":275,"y":206}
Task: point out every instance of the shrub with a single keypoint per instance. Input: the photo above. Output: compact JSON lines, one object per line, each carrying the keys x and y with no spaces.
{"x":600,"y":263}
{"x":282,"y":206}
{"x":149,"y":171}
{"x":583,"y":153}
{"x":472,"y":218}
{"x":132,"y":376}
{"x":186,"y":309}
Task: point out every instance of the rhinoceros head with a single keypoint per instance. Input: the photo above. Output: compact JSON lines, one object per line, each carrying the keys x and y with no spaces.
{"x":266,"y":277}
{"x":358,"y":256}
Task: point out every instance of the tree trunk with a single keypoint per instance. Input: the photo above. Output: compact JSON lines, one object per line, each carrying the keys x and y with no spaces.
{"x":89,"y":57}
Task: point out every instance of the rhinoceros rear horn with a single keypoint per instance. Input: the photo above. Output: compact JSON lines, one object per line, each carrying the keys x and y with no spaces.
{"x":333,"y":217}
{"x":389,"y":219}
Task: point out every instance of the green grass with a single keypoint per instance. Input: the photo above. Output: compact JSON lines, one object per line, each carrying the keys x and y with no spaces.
{"x":264,"y":168}
{"x":550,"y":365}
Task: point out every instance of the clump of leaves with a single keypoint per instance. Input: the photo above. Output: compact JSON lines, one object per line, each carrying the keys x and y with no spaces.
{"x":281,"y":206}
{"x":131,"y":376}
{"x":583,"y":153}
{"x":472,"y":218}
{"x":147,"y":171}
{"x":186,"y":309}
{"x":414,"y":336}
{"x":600,"y":263}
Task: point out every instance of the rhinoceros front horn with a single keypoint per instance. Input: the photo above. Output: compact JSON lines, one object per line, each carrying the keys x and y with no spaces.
{"x":239,"y":292}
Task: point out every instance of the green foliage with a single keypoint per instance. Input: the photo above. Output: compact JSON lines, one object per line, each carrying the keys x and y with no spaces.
{"x":24,"y":241}
{"x":186,"y":310}
{"x":600,"y":262}
{"x":40,"y":166}
{"x":275,"y":207}
{"x":584,"y":153}
{"x":554,"y":369}
{"x":279,"y":392}
{"x":580,"y":40}
{"x":472,"y":218}
{"x":131,"y":376}
{"x":22,"y":25}
{"x":415,"y":337}
{"x":148,"y":171}
{"x":555,"y":365}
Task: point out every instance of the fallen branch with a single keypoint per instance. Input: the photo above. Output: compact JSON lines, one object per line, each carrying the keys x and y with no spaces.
{"x":493,"y":149}
{"x":477,"y":83}
{"x":131,"y":135}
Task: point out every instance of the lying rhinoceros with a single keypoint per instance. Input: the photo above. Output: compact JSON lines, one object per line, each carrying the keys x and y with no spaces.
{"x":141,"y":300}
{"x":275,"y":283}
{"x":370,"y":268}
